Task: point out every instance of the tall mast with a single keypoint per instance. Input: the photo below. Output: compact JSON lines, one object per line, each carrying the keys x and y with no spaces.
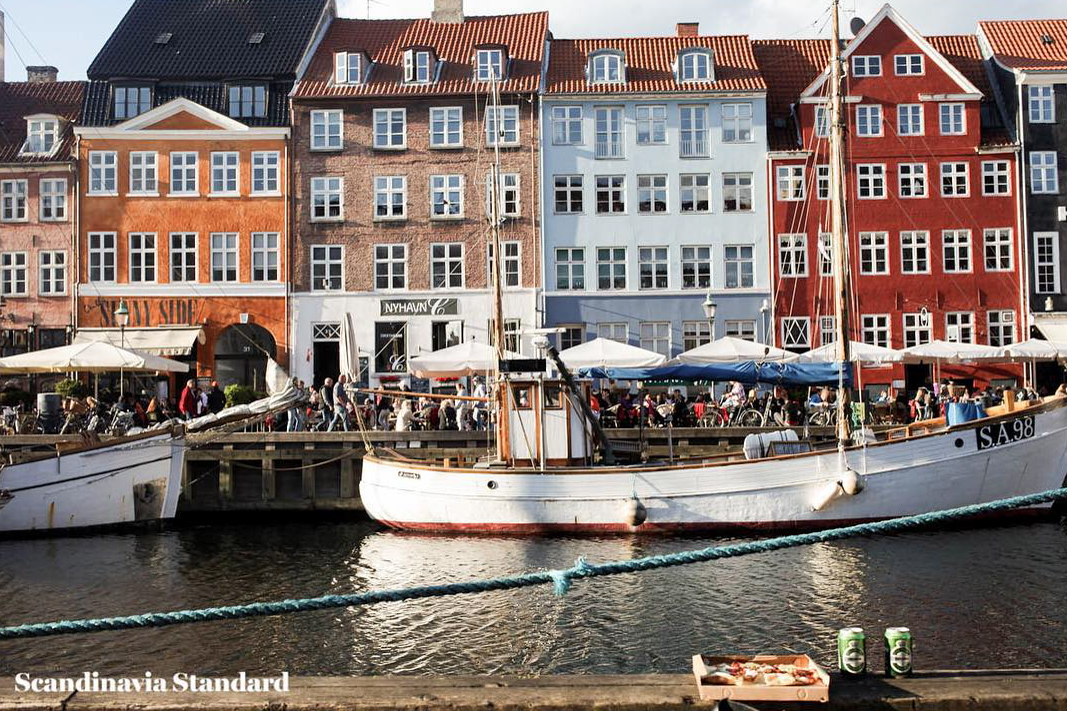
{"x":837,"y":223}
{"x":498,"y":296}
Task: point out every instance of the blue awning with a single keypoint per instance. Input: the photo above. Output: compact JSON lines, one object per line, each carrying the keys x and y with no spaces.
{"x":744,"y":372}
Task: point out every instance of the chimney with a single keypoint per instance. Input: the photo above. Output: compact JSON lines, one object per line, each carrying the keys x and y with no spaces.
{"x":41,"y":74}
{"x":688,"y":29}
{"x":1,"y":45}
{"x":447,"y":11}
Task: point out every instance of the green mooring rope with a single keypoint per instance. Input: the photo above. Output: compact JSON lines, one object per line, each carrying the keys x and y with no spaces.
{"x":559,"y":579}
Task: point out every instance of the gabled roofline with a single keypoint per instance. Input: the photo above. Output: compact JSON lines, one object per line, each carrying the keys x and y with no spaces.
{"x":913,"y":34}
{"x":176,"y":106}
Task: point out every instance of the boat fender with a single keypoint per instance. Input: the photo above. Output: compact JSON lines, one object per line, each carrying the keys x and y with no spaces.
{"x":851,"y":482}
{"x":634,"y":512}
{"x":826,"y":493}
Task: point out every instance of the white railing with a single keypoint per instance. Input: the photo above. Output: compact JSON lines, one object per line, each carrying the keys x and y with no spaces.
{"x":695,"y":148}
{"x":609,"y":149}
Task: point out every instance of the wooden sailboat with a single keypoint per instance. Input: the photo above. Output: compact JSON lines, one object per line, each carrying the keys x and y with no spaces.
{"x":548,"y":476}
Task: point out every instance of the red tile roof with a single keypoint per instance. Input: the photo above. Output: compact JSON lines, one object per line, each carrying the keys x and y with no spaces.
{"x":21,"y":99}
{"x":1017,"y":44}
{"x":524,"y":36}
{"x":650,"y":65}
{"x":964,"y":54}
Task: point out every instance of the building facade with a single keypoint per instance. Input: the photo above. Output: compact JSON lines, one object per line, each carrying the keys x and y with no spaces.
{"x":395,"y":134}
{"x":931,"y":192}
{"x":184,"y":192}
{"x":653,"y":168}
{"x":37,"y":184}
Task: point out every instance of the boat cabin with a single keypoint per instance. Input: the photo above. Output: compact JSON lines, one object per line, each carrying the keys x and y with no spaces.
{"x":545,"y":424}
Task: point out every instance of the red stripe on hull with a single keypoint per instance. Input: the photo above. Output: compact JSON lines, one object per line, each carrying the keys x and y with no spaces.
{"x":684,"y":527}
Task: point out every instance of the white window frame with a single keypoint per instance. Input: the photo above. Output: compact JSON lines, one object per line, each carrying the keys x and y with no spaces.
{"x":509,"y":195}
{"x":247,"y":100}
{"x":183,"y":257}
{"x":512,"y":263}
{"x":322,"y":189}
{"x":227,"y":166}
{"x":878,"y":246}
{"x":446,"y":186}
{"x":695,"y":65}
{"x":571,"y":185}
{"x":1000,"y":172}
{"x":954,"y":116}
{"x":653,"y":186}
{"x":907,"y":67}
{"x":615,"y":191}
{"x":52,"y":273}
{"x":959,"y":320}
{"x":790,"y":183}
{"x":827,"y":330}
{"x":504,"y":116}
{"x":918,"y":328}
{"x":694,"y":131}
{"x":148,"y":257}
{"x":796,"y":332}
{"x":1002,"y":322}
{"x":14,"y":200}
{"x":826,"y":257}
{"x":266,"y":169}
{"x":322,"y":125}
{"x":658,"y":259}
{"x":571,"y":265}
{"x":14,"y":274}
{"x":225,"y":257}
{"x":733,"y":256}
{"x":452,"y":257}
{"x":489,"y":62}
{"x":734,"y":114}
{"x":866,"y":116}
{"x":737,"y":191}
{"x":567,"y":125}
{"x":348,"y":68}
{"x":1001,"y":241}
{"x":698,"y":186}
{"x":1041,"y":103}
{"x":792,"y":255}
{"x":822,"y":181}
{"x":325,"y":258}
{"x":745,"y":329}
{"x":650,"y":124}
{"x":42,"y":136}
{"x":905,"y":120}
{"x":950,"y":172}
{"x":822,"y":121}
{"x":695,"y":334}
{"x":391,"y":264}
{"x":870,"y":178}
{"x":915,"y":252}
{"x":609,"y":133}
{"x":866,"y":65}
{"x":618,"y":331}
{"x":418,"y":66}
{"x":103,"y":173}
{"x":178,"y":162}
{"x":876,"y":330}
{"x":144,"y":174}
{"x":615,"y":260}
{"x":1047,"y":258}
{"x":142,"y":101}
{"x":956,"y":247}
{"x":386,"y":137}
{"x":697,"y":266}
{"x":389,"y":187}
{"x":606,"y":68}
{"x":265,"y":251}
{"x":656,"y":336}
{"x":446,"y":116}
{"x":106,"y":257}
{"x":1044,"y":172}
{"x":52,"y":199}
{"x":910,"y":175}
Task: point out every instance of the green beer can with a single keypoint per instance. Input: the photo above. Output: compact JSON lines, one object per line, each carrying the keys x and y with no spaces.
{"x":852,"y":651}
{"x":897,"y":651}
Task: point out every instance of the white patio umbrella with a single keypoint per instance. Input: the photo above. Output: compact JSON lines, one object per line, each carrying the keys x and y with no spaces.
{"x":88,"y":357}
{"x":469,"y":358}
{"x":733,"y":350}
{"x":1037,"y":349}
{"x":859,"y":351}
{"x":606,"y":353}
{"x":951,"y":352}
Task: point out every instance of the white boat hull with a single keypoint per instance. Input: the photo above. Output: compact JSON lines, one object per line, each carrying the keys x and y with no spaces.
{"x":937,"y":471}
{"x":127,"y":482}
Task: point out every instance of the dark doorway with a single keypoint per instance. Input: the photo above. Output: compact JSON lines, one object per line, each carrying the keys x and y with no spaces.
{"x":916,"y":376}
{"x":327,"y":355}
{"x":1048,"y":376}
{"x":241,"y":353}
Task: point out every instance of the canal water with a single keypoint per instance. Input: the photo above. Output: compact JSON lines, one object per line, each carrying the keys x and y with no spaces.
{"x":990,"y":597}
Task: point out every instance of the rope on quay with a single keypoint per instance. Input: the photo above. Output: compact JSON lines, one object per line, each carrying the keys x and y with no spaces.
{"x":561,"y":580}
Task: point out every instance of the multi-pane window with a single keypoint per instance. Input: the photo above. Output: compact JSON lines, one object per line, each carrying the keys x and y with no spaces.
{"x":869,"y":120}
{"x":694,"y":131}
{"x":656,"y":336}
{"x":696,"y":267}
{"x":790,"y":182}
{"x":567,"y":192}
{"x":738,"y":266}
{"x":508,"y":195}
{"x":695,"y":334}
{"x":956,"y":250}
{"x":348,"y":67}
{"x":608,"y":132}
{"x":875,"y":328}
{"x":995,"y":175}
{"x":826,"y":255}
{"x":606,"y":68}
{"x":571,"y":336}
{"x":1001,"y":327}
{"x":610,"y":194}
{"x":870,"y":181}
{"x":998,"y":251}
{"x":131,"y":101}
{"x":827,"y":330}
{"x":327,"y":267}
{"x":736,"y":123}
{"x":13,"y":200}
{"x":13,"y":274}
{"x":1047,"y":262}
{"x":142,"y":257}
{"x":907,"y":64}
{"x":446,"y":196}
{"x":917,"y":329}
{"x":327,"y":198}
{"x":446,"y":127}
{"x":954,"y":180}
{"x":959,"y":327}
{"x":183,"y":174}
{"x":744,"y":329}
{"x":695,"y":191}
{"x":822,"y":182}
{"x":611,"y":268}
{"x":265,"y":172}
{"x":265,"y":256}
{"x":512,"y":262}
{"x":390,"y":197}
{"x":566,"y":125}
{"x":915,"y":252}
{"x":53,"y":199}
{"x":793,"y":255}
{"x":143,"y":174}
{"x":910,"y":119}
{"x":796,"y":332}
{"x":390,"y":129}
{"x":822,"y":121}
{"x":1043,"y":177}
{"x":616,"y":331}
{"x":390,"y":266}
{"x":102,"y":256}
{"x":737,"y":192}
{"x":1042,"y":104}
{"x":952,"y":118}
{"x":651,"y":120}
{"x":248,"y":101}
{"x":866,"y":65}
{"x":570,"y":268}
{"x":53,"y":266}
{"x":489,"y":64}
{"x":874,"y":252}
{"x":224,"y":256}
{"x":502,"y":126}
{"x":183,"y":256}
{"x":41,"y":134}
{"x":696,"y":66}
{"x":911,"y":179}
{"x":327,"y":130}
{"x":446,"y":266}
{"x":224,"y":167}
{"x":653,"y":266}
{"x":651,"y":194}
{"x":103,"y":173}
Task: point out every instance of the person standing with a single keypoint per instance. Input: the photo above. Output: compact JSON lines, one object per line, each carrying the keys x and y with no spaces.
{"x":187,"y":400}
{"x":295,"y":422}
{"x":326,"y":398}
{"x":216,"y":399}
{"x":340,"y":404}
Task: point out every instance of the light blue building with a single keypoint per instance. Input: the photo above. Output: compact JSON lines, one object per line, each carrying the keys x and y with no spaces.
{"x":654,"y":185}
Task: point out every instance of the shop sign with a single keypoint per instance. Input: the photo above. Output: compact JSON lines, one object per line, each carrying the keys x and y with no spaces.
{"x":420,"y":307}
{"x":145,"y":313}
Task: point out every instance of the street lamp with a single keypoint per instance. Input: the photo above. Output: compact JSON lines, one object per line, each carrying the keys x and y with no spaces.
{"x":710,"y":307}
{"x":122,"y":317}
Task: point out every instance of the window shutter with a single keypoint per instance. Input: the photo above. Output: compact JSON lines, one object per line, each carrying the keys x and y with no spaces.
{"x":409,"y":65}
{"x":340,"y":60}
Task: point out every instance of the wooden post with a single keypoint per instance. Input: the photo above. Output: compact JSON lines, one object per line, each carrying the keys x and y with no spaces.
{"x":349,"y":487}
{"x":269,"y":481}
{"x":226,"y":474}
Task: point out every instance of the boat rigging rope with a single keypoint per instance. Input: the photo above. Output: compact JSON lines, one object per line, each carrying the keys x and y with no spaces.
{"x":560,"y":580}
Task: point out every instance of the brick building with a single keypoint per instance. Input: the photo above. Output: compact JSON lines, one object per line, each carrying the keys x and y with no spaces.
{"x":394,"y":144}
{"x":183,"y":155}
{"x":931,"y":196}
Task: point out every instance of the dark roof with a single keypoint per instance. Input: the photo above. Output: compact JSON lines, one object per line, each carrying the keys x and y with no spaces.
{"x":384,"y":41}
{"x":650,"y":63}
{"x":1020,"y":44}
{"x":208,"y":39}
{"x":21,"y":99}
{"x":212,"y":96}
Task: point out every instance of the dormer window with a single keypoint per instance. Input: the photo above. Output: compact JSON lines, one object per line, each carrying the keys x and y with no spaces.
{"x":348,"y":67}
{"x":132,"y":101}
{"x":489,"y":64}
{"x":695,"y":65}
{"x":42,"y":134}
{"x":418,"y":66}
{"x":606,"y":68}
{"x":248,"y":101}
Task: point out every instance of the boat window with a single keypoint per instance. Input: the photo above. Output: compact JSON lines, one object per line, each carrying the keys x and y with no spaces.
{"x":553,"y":396}
{"x":523,"y":396}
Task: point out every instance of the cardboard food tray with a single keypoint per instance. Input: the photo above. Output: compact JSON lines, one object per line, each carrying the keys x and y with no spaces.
{"x":819,"y":691}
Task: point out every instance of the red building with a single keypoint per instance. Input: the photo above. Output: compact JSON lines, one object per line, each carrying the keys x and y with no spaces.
{"x":931,"y":192}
